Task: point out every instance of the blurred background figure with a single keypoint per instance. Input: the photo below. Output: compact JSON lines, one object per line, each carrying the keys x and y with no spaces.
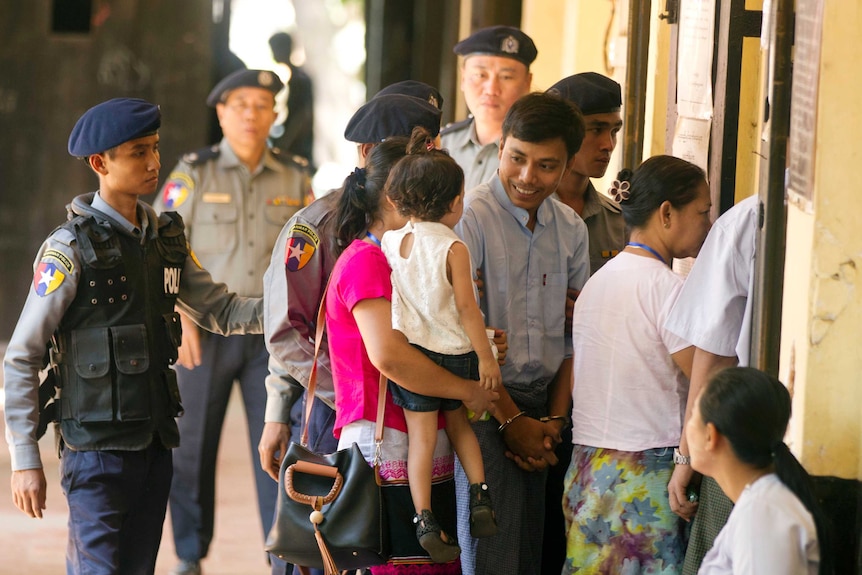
{"x":295,"y":135}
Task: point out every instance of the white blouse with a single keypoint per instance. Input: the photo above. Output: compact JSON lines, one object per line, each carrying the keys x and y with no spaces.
{"x":768,"y":531}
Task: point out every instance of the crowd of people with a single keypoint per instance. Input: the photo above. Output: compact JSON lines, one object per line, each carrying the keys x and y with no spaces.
{"x":556,"y":390}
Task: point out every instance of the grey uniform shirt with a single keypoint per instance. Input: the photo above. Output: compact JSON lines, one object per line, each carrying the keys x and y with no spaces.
{"x":233,"y":216}
{"x":294,"y":283}
{"x":479,"y":162}
{"x":57,"y":271}
{"x":605,"y":225}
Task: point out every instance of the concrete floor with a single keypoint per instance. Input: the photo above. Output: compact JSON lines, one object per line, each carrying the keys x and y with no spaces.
{"x":37,"y":547}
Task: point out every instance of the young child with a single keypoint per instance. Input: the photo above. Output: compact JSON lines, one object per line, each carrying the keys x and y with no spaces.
{"x":434,"y":305}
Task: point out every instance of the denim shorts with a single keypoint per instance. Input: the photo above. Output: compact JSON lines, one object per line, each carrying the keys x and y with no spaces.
{"x":465,"y":365}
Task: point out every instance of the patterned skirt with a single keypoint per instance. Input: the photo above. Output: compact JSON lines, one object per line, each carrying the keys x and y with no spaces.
{"x":618,"y":517}
{"x":408,"y":557}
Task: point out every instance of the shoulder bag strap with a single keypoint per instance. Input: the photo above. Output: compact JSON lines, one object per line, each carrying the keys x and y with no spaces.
{"x":312,"y":379}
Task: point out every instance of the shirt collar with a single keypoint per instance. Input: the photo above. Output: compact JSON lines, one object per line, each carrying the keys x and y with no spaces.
{"x":143,"y":216}
{"x":228,"y":159}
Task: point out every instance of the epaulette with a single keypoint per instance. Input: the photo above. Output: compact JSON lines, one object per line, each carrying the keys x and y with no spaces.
{"x":455,"y":126}
{"x":202,"y":155}
{"x":289,"y":159}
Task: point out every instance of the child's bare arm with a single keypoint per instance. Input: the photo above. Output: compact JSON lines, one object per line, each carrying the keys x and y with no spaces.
{"x":461,"y":274}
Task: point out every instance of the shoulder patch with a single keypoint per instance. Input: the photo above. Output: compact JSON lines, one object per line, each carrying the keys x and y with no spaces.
{"x":289,"y":159}
{"x":50,"y":272}
{"x":455,"y":126}
{"x":177,"y":190}
{"x":202,"y":155}
{"x":300,"y":246}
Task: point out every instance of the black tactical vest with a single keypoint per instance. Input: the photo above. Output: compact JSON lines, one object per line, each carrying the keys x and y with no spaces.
{"x":119,"y":337}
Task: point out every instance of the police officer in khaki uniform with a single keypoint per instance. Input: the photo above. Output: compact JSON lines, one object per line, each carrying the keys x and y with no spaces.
{"x":234,"y":197}
{"x":302,"y":260}
{"x":105,"y":287}
{"x":599,"y":99}
{"x":495,"y":71}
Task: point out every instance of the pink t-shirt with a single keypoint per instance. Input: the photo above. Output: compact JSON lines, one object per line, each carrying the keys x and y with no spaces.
{"x":361,"y":272}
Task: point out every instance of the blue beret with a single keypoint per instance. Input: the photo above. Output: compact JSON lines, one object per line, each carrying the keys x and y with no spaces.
{"x":245,"y":79}
{"x":112,"y":123}
{"x":391,"y":115}
{"x":415,"y":89}
{"x":503,"y":41}
{"x":593,"y":93}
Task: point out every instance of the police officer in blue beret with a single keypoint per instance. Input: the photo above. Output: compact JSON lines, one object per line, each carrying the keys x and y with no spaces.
{"x":103,"y":301}
{"x":235,"y":197}
{"x":495,"y":71}
{"x":302,"y":260}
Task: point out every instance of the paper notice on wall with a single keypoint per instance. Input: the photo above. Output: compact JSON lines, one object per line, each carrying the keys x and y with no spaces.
{"x":691,"y":141}
{"x":803,"y":102}
{"x":694,"y":76}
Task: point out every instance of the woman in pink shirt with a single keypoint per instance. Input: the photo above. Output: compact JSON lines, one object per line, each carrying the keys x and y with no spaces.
{"x":362,"y":344}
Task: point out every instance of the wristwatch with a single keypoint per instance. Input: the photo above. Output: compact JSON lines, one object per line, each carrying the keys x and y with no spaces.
{"x":680,"y":459}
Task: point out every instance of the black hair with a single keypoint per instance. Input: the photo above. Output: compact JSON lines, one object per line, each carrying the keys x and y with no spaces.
{"x":752,"y":409}
{"x":359,"y":204}
{"x":281,"y":44}
{"x":657,"y":180}
{"x":424,"y":183}
{"x":539,"y":116}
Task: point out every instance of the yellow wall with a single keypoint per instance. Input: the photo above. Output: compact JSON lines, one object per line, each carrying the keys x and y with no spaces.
{"x":823,"y":304}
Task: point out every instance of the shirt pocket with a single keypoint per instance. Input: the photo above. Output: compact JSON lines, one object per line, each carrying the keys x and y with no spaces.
{"x":215,"y":227}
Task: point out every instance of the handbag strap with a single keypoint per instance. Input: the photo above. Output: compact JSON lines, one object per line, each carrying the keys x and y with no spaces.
{"x":312,"y":380}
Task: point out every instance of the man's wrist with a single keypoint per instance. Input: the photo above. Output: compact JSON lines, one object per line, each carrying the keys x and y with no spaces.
{"x":509,"y":421}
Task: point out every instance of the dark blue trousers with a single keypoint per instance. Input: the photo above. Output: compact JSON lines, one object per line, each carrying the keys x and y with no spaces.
{"x":117,"y":502}
{"x":205,"y":392}
{"x":320,"y":440}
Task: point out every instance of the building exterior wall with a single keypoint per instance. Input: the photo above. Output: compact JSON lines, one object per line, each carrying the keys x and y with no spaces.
{"x":157,"y":50}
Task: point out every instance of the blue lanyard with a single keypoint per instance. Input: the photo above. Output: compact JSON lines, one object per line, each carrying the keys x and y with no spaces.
{"x":374,"y":239}
{"x":649,"y":249}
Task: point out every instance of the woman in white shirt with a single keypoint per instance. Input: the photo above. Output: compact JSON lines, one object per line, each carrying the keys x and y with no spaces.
{"x":736,"y":436}
{"x":630,"y":382}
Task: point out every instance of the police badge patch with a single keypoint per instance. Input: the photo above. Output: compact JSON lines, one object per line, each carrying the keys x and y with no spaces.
{"x":509,"y":45}
{"x":177,"y":190}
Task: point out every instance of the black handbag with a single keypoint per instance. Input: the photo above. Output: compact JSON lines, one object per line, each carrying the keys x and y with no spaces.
{"x":329,"y":513}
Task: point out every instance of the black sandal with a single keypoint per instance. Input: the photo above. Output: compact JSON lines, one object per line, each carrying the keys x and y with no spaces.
{"x":430,"y":536}
{"x":482,"y":520}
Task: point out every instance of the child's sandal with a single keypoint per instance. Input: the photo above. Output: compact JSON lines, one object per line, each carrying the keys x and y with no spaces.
{"x":482,"y":520}
{"x":430,"y":536}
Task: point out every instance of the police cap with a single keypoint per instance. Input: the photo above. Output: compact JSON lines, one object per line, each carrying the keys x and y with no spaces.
{"x":503,"y":41}
{"x":244,"y":79}
{"x":112,"y":123}
{"x":592,"y":92}
{"x":391,"y":115}
{"x":416,"y":89}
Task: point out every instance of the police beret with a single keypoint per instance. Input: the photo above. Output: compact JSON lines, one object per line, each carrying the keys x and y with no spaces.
{"x":415,"y":89}
{"x":593,"y":93}
{"x":244,"y":79}
{"x":503,"y":41}
{"x":391,"y":115}
{"x":112,"y":123}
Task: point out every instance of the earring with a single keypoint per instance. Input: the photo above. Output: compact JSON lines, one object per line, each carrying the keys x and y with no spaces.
{"x":667,"y":224}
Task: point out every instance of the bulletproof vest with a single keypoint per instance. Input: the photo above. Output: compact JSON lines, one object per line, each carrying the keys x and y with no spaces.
{"x":119,"y":336}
